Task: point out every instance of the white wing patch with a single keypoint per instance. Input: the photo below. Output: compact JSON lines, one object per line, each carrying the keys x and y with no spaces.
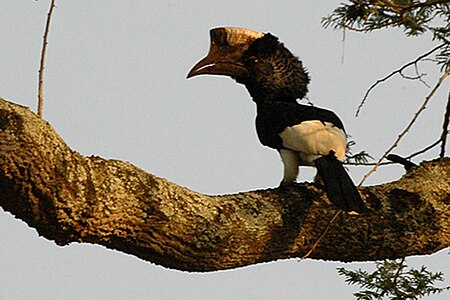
{"x":312,"y":139}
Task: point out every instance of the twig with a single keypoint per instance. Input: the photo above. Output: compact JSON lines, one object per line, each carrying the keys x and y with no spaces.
{"x":343,"y":46}
{"x":413,"y":120}
{"x":445,"y":127}
{"x":401,"y":160}
{"x":424,"y":149}
{"x":397,"y":274}
{"x":398,"y":71}
{"x":367,"y":164}
{"x":398,"y":8}
{"x":419,"y":76}
{"x":41,"y":68}
{"x":322,"y":236}
{"x":391,"y":163}
{"x":364,"y":30}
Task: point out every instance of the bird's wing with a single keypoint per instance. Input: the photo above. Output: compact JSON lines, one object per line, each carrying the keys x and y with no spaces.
{"x":314,"y":138}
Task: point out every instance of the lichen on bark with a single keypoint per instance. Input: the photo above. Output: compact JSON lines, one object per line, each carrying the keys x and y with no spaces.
{"x":69,"y":198}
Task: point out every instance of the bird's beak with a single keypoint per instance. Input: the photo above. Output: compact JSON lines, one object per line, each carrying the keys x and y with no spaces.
{"x":219,"y":62}
{"x":225,"y":53}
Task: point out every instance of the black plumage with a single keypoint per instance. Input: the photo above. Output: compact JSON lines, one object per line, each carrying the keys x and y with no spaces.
{"x":276,"y":79}
{"x":274,"y":116}
{"x":274,"y":74}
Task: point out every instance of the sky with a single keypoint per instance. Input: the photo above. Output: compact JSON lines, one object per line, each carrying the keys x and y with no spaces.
{"x":116,"y":87}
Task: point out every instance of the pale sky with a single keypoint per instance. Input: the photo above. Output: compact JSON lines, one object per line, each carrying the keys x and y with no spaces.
{"x":115,"y":86}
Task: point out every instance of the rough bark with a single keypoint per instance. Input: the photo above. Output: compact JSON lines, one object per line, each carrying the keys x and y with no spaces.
{"x":68,"y":198}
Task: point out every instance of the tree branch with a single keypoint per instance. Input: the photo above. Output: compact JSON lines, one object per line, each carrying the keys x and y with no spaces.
{"x":398,"y":71}
{"x":413,"y":4}
{"x":70,"y":198}
{"x":408,"y":127}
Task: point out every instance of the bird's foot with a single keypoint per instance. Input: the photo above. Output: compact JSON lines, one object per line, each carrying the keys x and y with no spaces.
{"x":286,"y":184}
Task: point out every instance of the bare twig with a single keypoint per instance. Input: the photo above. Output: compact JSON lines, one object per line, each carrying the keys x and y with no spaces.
{"x":445,"y":127}
{"x":424,"y":149}
{"x":367,"y":164}
{"x":413,"y":120}
{"x":419,"y":76}
{"x":322,"y":236}
{"x":398,"y":71}
{"x":41,"y":68}
{"x":343,"y":45}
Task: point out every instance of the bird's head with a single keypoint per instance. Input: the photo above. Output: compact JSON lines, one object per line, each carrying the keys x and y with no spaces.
{"x":257,"y":60}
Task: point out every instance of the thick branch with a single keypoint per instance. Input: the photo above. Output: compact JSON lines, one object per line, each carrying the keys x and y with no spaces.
{"x":71,"y":198}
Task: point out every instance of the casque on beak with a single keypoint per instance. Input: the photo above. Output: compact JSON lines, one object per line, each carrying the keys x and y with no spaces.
{"x":224,"y":57}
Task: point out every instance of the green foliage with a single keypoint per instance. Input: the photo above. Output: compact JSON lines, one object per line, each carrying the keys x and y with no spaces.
{"x":443,"y":58}
{"x":413,"y":16}
{"x":395,"y":281}
{"x":361,"y":157}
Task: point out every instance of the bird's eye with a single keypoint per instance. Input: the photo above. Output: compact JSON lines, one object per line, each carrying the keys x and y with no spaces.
{"x":253,"y":60}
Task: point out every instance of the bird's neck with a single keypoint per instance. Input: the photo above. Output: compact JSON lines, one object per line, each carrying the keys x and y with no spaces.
{"x":269,"y":99}
{"x":269,"y":94}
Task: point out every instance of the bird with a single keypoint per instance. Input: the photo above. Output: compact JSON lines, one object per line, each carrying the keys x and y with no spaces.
{"x":276,"y":80}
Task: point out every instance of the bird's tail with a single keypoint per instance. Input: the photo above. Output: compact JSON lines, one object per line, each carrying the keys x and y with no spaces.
{"x":338,"y":185}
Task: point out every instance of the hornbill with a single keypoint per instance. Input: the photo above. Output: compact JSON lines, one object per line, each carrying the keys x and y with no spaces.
{"x":302,"y":134}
